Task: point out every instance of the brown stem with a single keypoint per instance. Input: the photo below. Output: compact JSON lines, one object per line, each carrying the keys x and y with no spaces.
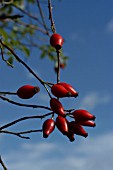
{"x":51,"y":17}
{"x":24,"y":118}
{"x":58,"y":71}
{"x":42,"y":16}
{"x":22,"y":62}
{"x":19,"y":134}
{"x":24,"y":105}
{"x":9,"y":93}
{"x":28,"y":14}
{"x":2,"y":163}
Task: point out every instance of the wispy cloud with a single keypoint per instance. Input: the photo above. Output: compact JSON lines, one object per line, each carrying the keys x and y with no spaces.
{"x":93,"y":99}
{"x":90,"y":154}
{"x":110,"y":26}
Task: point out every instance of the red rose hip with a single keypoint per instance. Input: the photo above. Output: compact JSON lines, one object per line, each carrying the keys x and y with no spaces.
{"x":69,"y":88}
{"x":27,"y":91}
{"x":57,"y":107}
{"x":48,"y":127}
{"x":59,"y":91}
{"x":56,"y":41}
{"x":83,"y":115}
{"x":77,"y":129}
{"x":62,"y":125}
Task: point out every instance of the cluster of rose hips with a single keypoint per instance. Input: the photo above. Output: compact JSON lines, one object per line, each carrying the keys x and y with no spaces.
{"x":61,"y":90}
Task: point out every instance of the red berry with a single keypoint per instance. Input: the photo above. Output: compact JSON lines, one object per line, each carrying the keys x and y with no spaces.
{"x":62,"y":65}
{"x":83,"y":115}
{"x":59,"y":91}
{"x":77,"y":129}
{"x":70,"y":135}
{"x":27,"y":91}
{"x":57,"y":107}
{"x":87,"y":123}
{"x":62,"y":125}
{"x":48,"y":127}
{"x":69,"y":88}
{"x":56,"y":41}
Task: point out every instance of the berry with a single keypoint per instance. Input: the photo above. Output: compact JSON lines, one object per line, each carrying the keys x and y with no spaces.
{"x":87,"y":123}
{"x":69,"y":88}
{"x":77,"y":129}
{"x":57,"y":107}
{"x":56,"y":41}
{"x":83,"y":115}
{"x":59,"y":91}
{"x":62,"y":125}
{"x":27,"y":91}
{"x":48,"y":127}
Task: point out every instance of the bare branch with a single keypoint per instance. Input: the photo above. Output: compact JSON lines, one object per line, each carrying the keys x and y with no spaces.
{"x":24,"y":118}
{"x":42,"y":16}
{"x":7,"y":62}
{"x":51,"y":17}
{"x":27,"y":13}
{"x":2,"y":163}
{"x":14,"y":133}
{"x":22,"y":62}
{"x":24,"y":105}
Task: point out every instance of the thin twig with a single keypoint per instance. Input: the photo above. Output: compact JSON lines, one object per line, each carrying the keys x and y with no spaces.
{"x":9,"y":93}
{"x":24,"y":118}
{"x":58,"y":70}
{"x":22,"y":62}
{"x":27,"y":13}
{"x":2,"y":163}
{"x":19,"y":134}
{"x":14,"y":133}
{"x":24,"y":105}
{"x":31,"y":26}
{"x":26,"y":66}
{"x":7,"y":62}
{"x":51,"y":17}
{"x":42,"y":16}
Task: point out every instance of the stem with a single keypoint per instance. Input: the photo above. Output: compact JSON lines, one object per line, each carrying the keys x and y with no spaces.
{"x":25,"y":65}
{"x":24,"y":118}
{"x":2,"y":163}
{"x":42,"y":16}
{"x":24,"y":105}
{"x":51,"y":17}
{"x":10,"y":93}
{"x":58,"y":71}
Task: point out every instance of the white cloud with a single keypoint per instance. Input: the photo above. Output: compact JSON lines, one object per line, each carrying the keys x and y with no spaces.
{"x":93,"y":99}
{"x":110,"y":26}
{"x":90,"y":154}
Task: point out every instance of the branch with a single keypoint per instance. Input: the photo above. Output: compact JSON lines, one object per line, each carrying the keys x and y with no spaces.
{"x":24,"y":105}
{"x":31,"y":26}
{"x":42,"y":16}
{"x":26,"y":66}
{"x":22,"y":62}
{"x":51,"y":17}
{"x":7,"y":62}
{"x":27,"y":13}
{"x":19,"y":133}
{"x":2,"y":163}
{"x":24,"y":118}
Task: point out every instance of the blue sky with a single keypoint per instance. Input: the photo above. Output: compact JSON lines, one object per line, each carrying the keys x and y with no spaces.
{"x":87,"y":27}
